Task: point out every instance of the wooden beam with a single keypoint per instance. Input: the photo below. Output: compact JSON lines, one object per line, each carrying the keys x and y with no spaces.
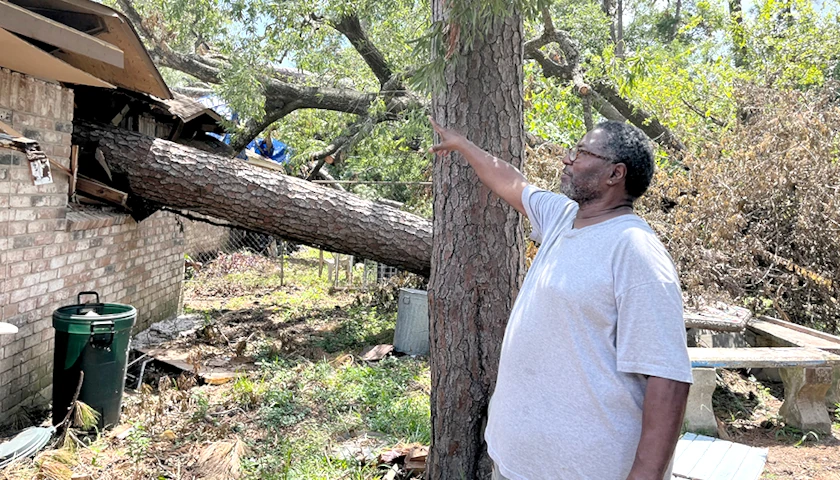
{"x":98,"y":190}
{"x":61,"y":167}
{"x":20,"y":55}
{"x":8,"y":130}
{"x":74,"y":168}
{"x":29,"y":24}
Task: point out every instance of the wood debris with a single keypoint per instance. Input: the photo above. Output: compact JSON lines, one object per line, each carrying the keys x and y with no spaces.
{"x":416,"y":459}
{"x":215,"y":371}
{"x":39,"y":163}
{"x":377,"y":352}
{"x":220,"y":460}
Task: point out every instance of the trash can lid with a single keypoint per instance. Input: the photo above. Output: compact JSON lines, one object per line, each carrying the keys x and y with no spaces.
{"x":80,"y":318}
{"x":25,"y":444}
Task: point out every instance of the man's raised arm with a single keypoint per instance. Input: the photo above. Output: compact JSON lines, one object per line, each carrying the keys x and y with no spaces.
{"x":500,"y":177}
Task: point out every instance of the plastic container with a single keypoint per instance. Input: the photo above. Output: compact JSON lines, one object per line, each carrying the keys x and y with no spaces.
{"x":411,"y":334}
{"x":91,"y":338}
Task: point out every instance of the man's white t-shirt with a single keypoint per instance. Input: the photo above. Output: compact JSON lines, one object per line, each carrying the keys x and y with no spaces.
{"x":599,"y":311}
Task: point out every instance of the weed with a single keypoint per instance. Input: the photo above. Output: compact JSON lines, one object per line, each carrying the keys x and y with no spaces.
{"x":248,"y":393}
{"x":202,"y":405}
{"x":282,"y":409}
{"x":805,"y":437}
{"x":138,"y":442}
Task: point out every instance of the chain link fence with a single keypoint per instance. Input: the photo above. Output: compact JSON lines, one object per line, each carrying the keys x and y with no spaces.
{"x":204,"y":242}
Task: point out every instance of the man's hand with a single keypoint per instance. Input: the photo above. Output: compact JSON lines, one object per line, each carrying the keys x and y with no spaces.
{"x":450,"y":140}
{"x":499,"y":176}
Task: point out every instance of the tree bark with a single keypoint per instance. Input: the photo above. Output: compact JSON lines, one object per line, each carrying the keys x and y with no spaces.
{"x":185,"y":178}
{"x":675,"y":28}
{"x":477,"y":261}
{"x":351,"y":27}
{"x":739,"y":45}
{"x":619,"y":29}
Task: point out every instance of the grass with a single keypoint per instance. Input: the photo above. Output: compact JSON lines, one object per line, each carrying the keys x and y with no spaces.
{"x":305,"y":406}
{"x":310,"y":394}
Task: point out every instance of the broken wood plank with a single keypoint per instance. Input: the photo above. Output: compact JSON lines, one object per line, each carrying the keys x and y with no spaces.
{"x":19,"y":55}
{"x":375,"y":353}
{"x":60,"y":167}
{"x":720,"y":317}
{"x":795,"y":335}
{"x":416,"y":459}
{"x":101,"y":191}
{"x":178,"y":359}
{"x":119,"y":117}
{"x":74,"y":168}
{"x":38,"y":27}
{"x":8,"y":130}
{"x":392,"y":473}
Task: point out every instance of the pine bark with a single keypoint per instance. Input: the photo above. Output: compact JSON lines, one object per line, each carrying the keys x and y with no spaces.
{"x":477,"y":261}
{"x":185,"y":178}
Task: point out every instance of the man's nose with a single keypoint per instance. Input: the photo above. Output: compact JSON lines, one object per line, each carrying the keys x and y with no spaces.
{"x":567,"y":160}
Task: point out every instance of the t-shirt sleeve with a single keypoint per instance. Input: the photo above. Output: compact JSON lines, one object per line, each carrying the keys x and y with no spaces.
{"x":650,"y":336}
{"x":545,"y":210}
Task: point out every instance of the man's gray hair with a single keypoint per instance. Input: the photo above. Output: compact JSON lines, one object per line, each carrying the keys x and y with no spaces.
{"x":629,"y":145}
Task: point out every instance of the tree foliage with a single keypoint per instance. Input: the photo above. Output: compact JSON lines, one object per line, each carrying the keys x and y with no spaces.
{"x":682,"y":74}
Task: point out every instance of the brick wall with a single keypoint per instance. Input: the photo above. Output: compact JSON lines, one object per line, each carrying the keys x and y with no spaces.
{"x":203,"y":239}
{"x":49,"y":253}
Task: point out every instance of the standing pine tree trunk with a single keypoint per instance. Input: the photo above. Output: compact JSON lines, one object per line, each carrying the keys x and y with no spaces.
{"x":477,"y":261}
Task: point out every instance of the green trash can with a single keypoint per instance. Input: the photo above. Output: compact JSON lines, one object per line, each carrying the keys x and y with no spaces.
{"x":91,"y":338}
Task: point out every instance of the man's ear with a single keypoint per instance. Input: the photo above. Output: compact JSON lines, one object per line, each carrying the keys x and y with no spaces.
{"x":619,"y":171}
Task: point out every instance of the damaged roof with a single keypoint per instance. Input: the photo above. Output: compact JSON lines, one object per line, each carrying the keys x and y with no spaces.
{"x":87,"y":43}
{"x":188,"y":109}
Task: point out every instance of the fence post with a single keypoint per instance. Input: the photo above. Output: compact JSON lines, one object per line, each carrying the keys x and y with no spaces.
{"x":364,"y":276}
{"x":320,"y":263}
{"x":282,"y":260}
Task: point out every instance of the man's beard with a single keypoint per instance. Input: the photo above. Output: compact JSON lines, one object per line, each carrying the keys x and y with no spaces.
{"x":581,"y":191}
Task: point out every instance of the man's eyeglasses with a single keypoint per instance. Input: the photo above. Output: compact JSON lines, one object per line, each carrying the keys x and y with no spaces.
{"x":573,"y":154}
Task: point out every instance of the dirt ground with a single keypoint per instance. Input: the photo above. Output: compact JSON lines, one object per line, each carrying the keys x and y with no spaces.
{"x":748,"y":409}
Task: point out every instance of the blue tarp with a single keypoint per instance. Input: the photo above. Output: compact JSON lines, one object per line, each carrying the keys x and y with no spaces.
{"x":277,"y":151}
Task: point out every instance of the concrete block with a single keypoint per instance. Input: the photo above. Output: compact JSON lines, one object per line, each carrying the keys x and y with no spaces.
{"x":699,"y":414}
{"x":832,"y":398}
{"x":805,"y":398}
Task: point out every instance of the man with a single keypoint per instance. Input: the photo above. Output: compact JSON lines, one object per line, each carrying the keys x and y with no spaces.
{"x":594,"y":371}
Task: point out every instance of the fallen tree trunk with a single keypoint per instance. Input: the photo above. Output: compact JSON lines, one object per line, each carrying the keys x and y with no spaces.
{"x":181,"y":177}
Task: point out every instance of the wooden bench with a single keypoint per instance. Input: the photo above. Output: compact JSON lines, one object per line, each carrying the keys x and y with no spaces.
{"x":772,"y":332}
{"x":806,"y":374}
